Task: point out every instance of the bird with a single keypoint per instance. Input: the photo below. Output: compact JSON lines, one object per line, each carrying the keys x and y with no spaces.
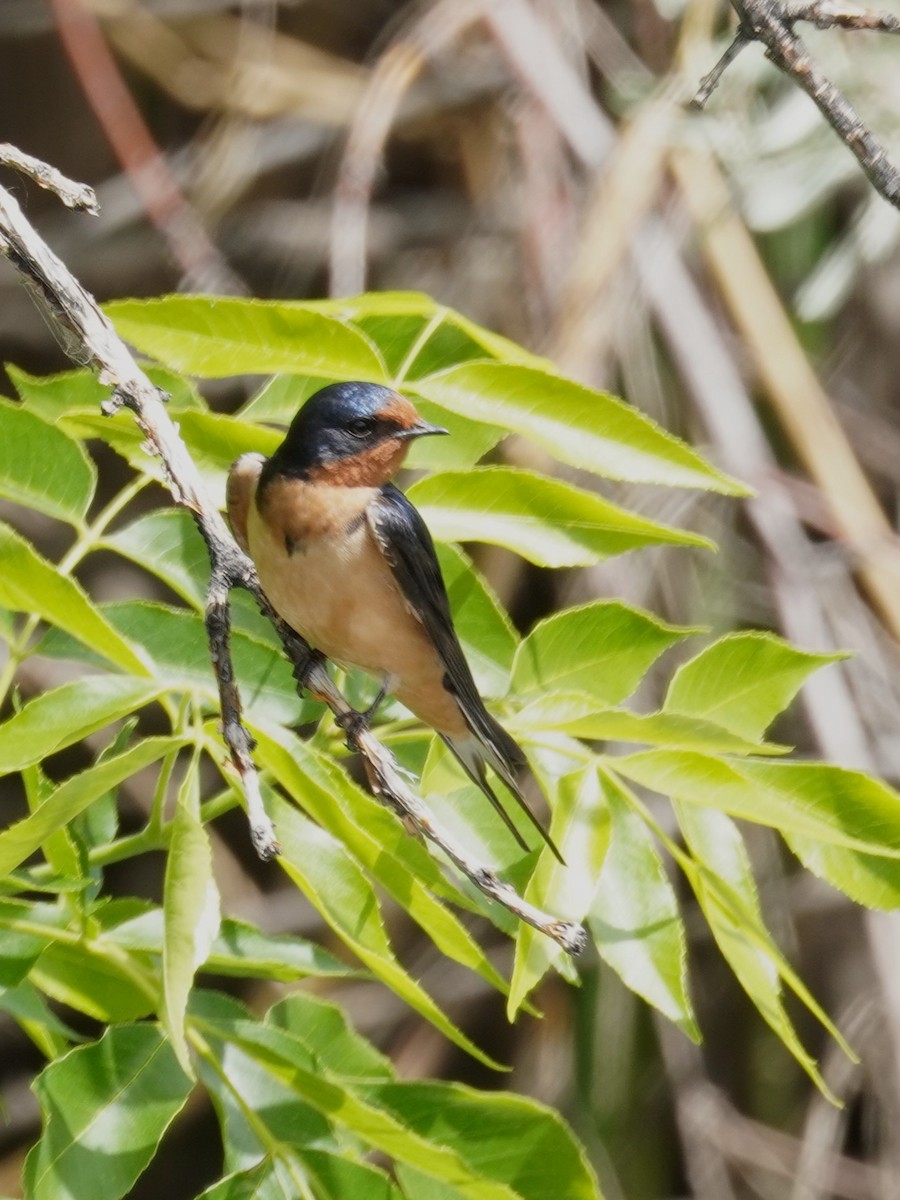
{"x":348,"y":562}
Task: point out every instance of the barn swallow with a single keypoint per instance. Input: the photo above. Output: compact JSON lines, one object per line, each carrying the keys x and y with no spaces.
{"x":348,"y":562}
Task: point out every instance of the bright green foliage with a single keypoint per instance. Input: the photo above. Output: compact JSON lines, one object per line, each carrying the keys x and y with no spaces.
{"x":302,"y":1100}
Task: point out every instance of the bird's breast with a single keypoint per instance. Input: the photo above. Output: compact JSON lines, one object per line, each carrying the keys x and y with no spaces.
{"x":321,"y":567}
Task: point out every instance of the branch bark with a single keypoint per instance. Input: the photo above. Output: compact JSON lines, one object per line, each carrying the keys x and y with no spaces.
{"x":772,"y":24}
{"x":90,"y":338}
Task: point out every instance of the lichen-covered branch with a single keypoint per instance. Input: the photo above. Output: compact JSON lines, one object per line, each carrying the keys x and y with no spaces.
{"x":90,"y":338}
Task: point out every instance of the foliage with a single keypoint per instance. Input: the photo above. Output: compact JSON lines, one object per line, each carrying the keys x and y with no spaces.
{"x":301,"y":1098}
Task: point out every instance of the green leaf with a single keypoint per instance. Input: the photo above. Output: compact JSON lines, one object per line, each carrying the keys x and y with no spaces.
{"x":335,"y":885}
{"x":94,"y":979}
{"x":106,"y":1107}
{"x":59,"y":718}
{"x":513,"y":1142}
{"x":284,"y":1057}
{"x":634,"y":916}
{"x":580,"y":828}
{"x":602,"y":649}
{"x":741,"y":935}
{"x":262,"y":1182}
{"x":28,"y":928}
{"x":743,"y":681}
{"x":241,"y":950}
{"x":21,"y":839}
{"x":215,"y":441}
{"x":42,"y":468}
{"x":323,"y":1028}
{"x":175,"y":643}
{"x":335,"y":1177}
{"x":258,"y":1112}
{"x":396,"y":307}
{"x":816,"y":800}
{"x":167,"y":543}
{"x":30,"y":584}
{"x":484,"y":629}
{"x":190,"y":910}
{"x":215,"y":337}
{"x":590,"y":430}
{"x":867,"y":879}
{"x":550,"y":523}
{"x":578,"y":715}
{"x":376,"y":840}
{"x":464,"y":812}
{"x":330,"y":1176}
{"x":30,"y":1010}
{"x":53,"y":396}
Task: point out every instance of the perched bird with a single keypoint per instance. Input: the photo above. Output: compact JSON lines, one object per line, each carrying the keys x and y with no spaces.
{"x":349,"y":563}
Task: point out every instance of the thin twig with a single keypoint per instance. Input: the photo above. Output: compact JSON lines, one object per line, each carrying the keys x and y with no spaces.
{"x":772,"y":24}
{"x":828,"y":14}
{"x":710,"y":81}
{"x":74,"y":195}
{"x":83,"y":322}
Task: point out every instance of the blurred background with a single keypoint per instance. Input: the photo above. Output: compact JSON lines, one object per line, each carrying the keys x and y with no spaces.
{"x":535,"y":164}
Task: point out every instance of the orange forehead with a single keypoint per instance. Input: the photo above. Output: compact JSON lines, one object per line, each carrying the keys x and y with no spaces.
{"x":398,"y":409}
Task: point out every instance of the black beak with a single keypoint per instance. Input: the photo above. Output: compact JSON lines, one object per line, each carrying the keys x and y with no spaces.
{"x":420,"y":429}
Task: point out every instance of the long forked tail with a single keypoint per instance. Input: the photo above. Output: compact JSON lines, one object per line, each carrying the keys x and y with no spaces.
{"x":474,"y":751}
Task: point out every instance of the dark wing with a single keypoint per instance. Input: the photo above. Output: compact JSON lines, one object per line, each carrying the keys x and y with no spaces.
{"x":406,"y":544}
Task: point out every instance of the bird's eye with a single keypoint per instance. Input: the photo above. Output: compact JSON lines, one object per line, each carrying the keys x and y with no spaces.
{"x":361,"y":426}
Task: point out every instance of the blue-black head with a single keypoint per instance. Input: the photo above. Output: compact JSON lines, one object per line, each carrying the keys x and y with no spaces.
{"x":364,"y":422}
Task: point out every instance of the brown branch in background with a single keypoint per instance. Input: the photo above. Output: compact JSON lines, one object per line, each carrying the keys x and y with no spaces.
{"x":772,"y":24}
{"x":83,"y":322}
{"x":197,"y":257}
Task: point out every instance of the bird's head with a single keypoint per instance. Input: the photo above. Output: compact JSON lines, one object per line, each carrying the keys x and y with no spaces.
{"x":350,"y":435}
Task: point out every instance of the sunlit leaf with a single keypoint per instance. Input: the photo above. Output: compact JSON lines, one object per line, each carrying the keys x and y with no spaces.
{"x":587,"y":429}
{"x":41,"y":467}
{"x":30,"y":584}
{"x":167,"y":543}
{"x":601,"y":649}
{"x":106,"y":1107}
{"x":486,"y":633}
{"x":239,"y":949}
{"x":817,"y":800}
{"x":330,"y":879}
{"x":24,"y":837}
{"x":578,"y":715}
{"x":716,"y":843}
{"x":95,"y":980}
{"x":868,"y":879}
{"x":550,"y":523}
{"x":191,"y":910}
{"x":376,"y":840}
{"x":635,"y":919}
{"x":174,"y":640}
{"x":330,"y":1038}
{"x":55,"y":719}
{"x":743,"y":681}
{"x":515,"y":1142}
{"x":214,"y":336}
{"x":580,"y":828}
{"x":285,"y":1057}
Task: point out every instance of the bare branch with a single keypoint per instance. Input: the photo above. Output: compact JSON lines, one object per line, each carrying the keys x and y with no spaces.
{"x":91,"y":339}
{"x":829,"y":14}
{"x":772,"y":24}
{"x":73,"y":195}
